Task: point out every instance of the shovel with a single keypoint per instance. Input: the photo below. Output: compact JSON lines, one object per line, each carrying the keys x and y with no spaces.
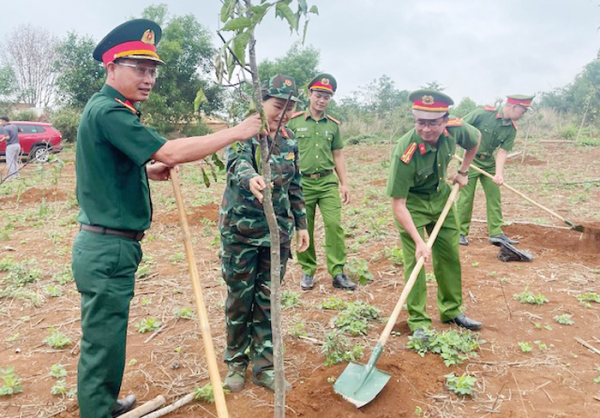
{"x":573,"y":226}
{"x":360,"y":384}
{"x":209,"y":349}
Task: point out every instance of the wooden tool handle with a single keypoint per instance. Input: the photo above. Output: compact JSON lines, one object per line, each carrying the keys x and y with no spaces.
{"x":415,"y":273}
{"x":213,"y":369}
{"x":146,"y":408}
{"x":512,"y":189}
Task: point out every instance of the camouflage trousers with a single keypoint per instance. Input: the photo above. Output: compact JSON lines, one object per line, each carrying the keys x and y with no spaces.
{"x":247,"y":271}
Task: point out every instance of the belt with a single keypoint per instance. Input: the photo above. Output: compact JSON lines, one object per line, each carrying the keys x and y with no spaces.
{"x":318,"y":175}
{"x":124,"y":233}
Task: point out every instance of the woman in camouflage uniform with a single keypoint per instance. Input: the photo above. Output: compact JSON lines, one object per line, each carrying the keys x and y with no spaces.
{"x":246,"y":260}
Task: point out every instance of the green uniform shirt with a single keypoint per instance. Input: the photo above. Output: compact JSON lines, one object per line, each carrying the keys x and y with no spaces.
{"x":316,"y":141}
{"x":241,"y":215}
{"x":424,"y":172}
{"x":113,"y":148}
{"x":496,"y":132}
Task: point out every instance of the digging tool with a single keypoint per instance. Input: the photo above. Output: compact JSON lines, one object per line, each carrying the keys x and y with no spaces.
{"x":573,"y":226}
{"x":360,"y":384}
{"x":213,"y":369}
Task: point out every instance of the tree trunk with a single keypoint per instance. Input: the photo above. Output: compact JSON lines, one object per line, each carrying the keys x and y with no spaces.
{"x":275,"y":240}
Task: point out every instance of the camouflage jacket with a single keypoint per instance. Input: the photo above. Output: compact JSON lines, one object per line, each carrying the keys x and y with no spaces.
{"x":241,"y":216}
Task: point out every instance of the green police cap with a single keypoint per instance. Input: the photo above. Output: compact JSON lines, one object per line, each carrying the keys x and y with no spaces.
{"x":520,"y":99}
{"x":280,"y":86}
{"x":323,"y":82}
{"x":429,"y":104}
{"x":136,"y":39}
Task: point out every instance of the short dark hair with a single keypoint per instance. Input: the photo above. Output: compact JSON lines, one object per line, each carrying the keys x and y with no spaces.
{"x":5,"y":118}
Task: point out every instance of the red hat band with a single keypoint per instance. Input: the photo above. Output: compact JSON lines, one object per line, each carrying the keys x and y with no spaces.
{"x":129,"y":48}
{"x":521,"y":102}
{"x":430,"y":105}
{"x":319,"y":85}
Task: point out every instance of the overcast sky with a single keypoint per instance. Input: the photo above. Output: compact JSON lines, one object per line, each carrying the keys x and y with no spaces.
{"x":482,"y":49}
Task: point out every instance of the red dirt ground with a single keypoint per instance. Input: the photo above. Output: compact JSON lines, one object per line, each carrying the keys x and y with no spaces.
{"x":556,"y":382}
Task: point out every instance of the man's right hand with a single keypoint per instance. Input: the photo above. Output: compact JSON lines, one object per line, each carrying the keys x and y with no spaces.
{"x":256,"y":186}
{"x":422,"y":251}
{"x":249,"y":128}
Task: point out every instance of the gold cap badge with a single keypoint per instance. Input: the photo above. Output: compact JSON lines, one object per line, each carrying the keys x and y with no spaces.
{"x":288,"y":82}
{"x":428,"y":100}
{"x":148,"y":37}
{"x":325,"y":81}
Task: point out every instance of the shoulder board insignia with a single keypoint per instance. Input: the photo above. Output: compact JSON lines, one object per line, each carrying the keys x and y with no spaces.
{"x":296,"y":114}
{"x":408,"y":154}
{"x":422,"y":148}
{"x":515,"y":125}
{"x":490,"y":108}
{"x":284,"y":133}
{"x":455,"y":122}
{"x":446,"y":132}
{"x":127,"y":105}
{"x":334,"y":119}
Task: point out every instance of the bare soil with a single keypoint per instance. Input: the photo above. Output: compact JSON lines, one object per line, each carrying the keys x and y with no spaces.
{"x":555,"y":382}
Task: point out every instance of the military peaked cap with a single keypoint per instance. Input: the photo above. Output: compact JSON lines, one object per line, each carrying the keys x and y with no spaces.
{"x":323,"y":82}
{"x":136,"y":39}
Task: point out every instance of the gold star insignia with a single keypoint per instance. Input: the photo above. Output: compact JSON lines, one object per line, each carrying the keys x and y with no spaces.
{"x":428,"y":100}
{"x":148,"y":37}
{"x":288,"y":82}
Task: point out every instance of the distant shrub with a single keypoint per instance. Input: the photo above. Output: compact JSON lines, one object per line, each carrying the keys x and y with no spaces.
{"x":568,"y":132}
{"x":25,"y":114}
{"x":66,"y":121}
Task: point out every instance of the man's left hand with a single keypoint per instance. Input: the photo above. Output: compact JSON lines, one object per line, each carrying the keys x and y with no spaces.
{"x":303,"y":240}
{"x":159,"y":171}
{"x":498,"y":179}
{"x":461,"y":180}
{"x":345,"y":194}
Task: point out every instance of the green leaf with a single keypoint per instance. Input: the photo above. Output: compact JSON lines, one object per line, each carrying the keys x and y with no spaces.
{"x":230,"y":66}
{"x":302,"y":6}
{"x":227,"y":10}
{"x":205,"y":178}
{"x":238,"y":23}
{"x":239,"y":46}
{"x":304,"y":32}
{"x":314,"y":10}
{"x":200,"y":99}
{"x":284,"y":11}
{"x":217,"y":161}
{"x":213,"y":172}
{"x":258,"y":13}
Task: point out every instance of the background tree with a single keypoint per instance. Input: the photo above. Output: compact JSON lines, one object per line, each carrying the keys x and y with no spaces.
{"x":187,"y":49}
{"x":465,"y":106}
{"x":79,"y":74}
{"x":31,"y":52}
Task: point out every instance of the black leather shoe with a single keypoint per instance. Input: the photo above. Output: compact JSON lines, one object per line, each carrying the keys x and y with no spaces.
{"x":342,"y":282}
{"x":124,"y":405}
{"x":494,"y":238}
{"x":464,"y":321}
{"x":307,"y":282}
{"x":463,"y":240}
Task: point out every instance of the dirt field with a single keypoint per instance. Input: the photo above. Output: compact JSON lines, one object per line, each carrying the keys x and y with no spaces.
{"x":555,"y":379}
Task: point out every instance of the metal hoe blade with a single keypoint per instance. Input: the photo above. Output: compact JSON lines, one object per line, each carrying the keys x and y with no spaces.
{"x":360,"y":384}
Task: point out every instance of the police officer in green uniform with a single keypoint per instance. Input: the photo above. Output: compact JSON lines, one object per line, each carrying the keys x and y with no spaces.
{"x":245,"y":238}
{"x":320,"y":145}
{"x":112,"y":166}
{"x":417,"y":185}
{"x":498,"y":130}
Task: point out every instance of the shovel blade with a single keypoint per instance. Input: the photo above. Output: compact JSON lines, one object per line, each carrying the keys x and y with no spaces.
{"x":358,"y":385}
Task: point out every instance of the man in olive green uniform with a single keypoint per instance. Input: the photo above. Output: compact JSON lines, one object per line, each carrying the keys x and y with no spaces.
{"x":417,"y":185}
{"x":246,"y":241}
{"x":498,"y":130}
{"x":320,"y":145}
{"x":113,"y":151}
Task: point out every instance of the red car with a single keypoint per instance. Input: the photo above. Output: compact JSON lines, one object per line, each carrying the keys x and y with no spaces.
{"x":37,"y":140}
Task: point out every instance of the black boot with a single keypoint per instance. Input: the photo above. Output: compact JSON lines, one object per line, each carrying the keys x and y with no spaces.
{"x":465,"y":322}
{"x":307,"y":282}
{"x":124,"y":405}
{"x":463,"y":240}
{"x":342,"y":282}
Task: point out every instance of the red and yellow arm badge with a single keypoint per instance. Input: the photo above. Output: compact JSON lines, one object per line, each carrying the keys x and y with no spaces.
{"x":408,"y":154}
{"x":455,"y":122}
{"x":127,"y":105}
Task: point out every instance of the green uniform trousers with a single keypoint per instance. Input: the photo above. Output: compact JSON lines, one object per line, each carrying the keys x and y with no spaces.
{"x":493,"y":201}
{"x":325,"y":193}
{"x":425,"y":211}
{"x":104,"y":267}
{"x":247,"y":271}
